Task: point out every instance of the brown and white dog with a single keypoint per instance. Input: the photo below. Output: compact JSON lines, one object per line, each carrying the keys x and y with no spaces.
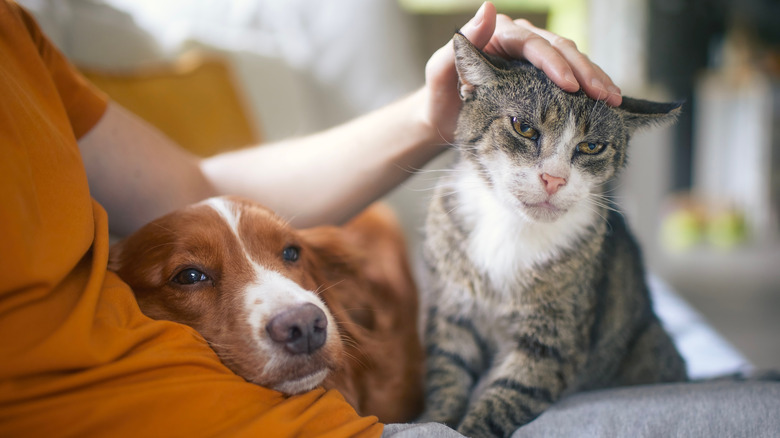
{"x":284,"y":308}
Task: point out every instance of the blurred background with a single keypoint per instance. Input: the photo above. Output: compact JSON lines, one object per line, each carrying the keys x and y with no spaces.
{"x":703,"y":196}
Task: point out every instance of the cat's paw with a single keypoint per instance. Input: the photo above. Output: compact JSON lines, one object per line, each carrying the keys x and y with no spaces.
{"x":486,"y":426}
{"x":476,"y":430}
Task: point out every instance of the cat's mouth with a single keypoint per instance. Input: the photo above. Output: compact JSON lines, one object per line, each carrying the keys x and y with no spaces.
{"x":543,"y":211}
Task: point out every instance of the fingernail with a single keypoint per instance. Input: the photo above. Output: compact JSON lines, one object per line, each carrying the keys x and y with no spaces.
{"x":596,"y":83}
{"x":614,"y":90}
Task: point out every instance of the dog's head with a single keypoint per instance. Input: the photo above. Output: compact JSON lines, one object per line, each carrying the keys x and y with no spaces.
{"x":241,"y":277}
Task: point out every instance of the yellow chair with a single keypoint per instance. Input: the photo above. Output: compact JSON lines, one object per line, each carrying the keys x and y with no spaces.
{"x":195,"y":101}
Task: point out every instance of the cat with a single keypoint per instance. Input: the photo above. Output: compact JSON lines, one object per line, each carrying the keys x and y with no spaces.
{"x":538,"y":288}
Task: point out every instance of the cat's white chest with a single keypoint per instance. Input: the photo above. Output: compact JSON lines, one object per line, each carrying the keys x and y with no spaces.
{"x":507,"y":247}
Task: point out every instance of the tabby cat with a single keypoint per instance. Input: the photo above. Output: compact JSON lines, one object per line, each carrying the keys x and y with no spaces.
{"x":538,"y":286}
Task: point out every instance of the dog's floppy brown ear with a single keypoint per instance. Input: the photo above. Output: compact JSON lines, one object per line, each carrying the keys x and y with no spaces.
{"x":330,"y":250}
{"x":115,"y":256}
{"x":341,"y":264}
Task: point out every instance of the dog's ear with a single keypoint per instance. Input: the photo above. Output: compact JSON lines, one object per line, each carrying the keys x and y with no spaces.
{"x":342,"y":265}
{"x":115,"y":256}
{"x":329,"y":250}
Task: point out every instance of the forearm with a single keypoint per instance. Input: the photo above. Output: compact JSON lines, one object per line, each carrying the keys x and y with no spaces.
{"x":139,"y":174}
{"x":330,"y":176}
{"x":136,"y":172}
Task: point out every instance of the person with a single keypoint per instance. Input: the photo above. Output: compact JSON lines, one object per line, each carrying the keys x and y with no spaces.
{"x":78,"y":357}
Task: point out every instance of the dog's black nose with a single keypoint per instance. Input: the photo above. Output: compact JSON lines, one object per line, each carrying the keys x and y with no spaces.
{"x":302,"y":329}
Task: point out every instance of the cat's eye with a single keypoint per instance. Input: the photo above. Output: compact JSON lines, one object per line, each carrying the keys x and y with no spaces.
{"x":590,"y":148}
{"x":291,"y":254}
{"x":524,"y":129}
{"x":189,"y":276}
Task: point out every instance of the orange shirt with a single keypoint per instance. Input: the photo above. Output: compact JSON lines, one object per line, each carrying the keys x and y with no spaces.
{"x":77,"y":357}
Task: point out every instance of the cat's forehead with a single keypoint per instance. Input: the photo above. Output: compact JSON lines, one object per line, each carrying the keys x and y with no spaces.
{"x":534,"y":96}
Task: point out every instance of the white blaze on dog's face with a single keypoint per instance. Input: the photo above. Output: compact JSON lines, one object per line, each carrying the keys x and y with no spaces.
{"x":237,"y":274}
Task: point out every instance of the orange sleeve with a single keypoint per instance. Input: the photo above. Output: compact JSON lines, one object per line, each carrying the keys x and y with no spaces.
{"x":84,"y":103}
{"x":106,"y":370}
{"x":77,"y":356}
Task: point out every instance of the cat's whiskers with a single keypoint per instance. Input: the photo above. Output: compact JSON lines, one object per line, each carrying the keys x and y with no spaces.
{"x":609,"y":200}
{"x":450,"y":170}
{"x":468,"y":183}
{"x":598,"y":210}
{"x":459,"y":203}
{"x":600,"y":205}
{"x":604,"y":193}
{"x":452,"y":145}
{"x":612,"y":188}
{"x":453,"y":171}
{"x":597,"y":107}
{"x":605,"y":197}
{"x":445,"y":170}
{"x":470,"y":153}
{"x":519,"y":274}
{"x":606,"y":200}
{"x":422,"y":189}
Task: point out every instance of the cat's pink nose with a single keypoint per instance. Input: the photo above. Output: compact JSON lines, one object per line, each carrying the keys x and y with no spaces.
{"x":552,"y":183}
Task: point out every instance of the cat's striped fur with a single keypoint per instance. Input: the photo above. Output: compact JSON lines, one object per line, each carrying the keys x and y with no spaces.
{"x":537,"y":291}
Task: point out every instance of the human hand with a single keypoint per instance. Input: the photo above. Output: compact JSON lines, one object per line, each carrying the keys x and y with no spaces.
{"x":498,"y":34}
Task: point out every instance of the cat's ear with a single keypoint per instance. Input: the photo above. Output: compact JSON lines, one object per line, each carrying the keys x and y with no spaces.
{"x":639,"y":113}
{"x":473,"y":68}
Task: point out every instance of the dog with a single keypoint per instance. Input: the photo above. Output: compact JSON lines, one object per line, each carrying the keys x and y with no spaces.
{"x":284,"y":308}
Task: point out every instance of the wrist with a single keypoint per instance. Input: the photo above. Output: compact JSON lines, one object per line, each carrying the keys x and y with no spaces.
{"x":424,"y":121}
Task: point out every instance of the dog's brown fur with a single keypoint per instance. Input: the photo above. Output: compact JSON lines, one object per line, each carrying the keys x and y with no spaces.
{"x":359,"y":270}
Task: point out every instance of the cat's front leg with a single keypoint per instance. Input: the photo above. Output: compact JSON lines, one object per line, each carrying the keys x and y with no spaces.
{"x":506,"y":405}
{"x":516,"y":391}
{"x":455,"y":359}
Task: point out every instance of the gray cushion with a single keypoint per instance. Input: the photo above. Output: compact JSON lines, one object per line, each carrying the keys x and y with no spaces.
{"x":714,"y":409}
{"x":747,"y":409}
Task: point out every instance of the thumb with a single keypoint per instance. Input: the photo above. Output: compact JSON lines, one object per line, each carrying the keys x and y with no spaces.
{"x":480,"y":28}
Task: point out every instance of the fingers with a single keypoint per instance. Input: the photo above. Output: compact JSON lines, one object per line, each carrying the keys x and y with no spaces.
{"x":601,"y":83}
{"x":558,"y":57}
{"x":480,"y":29}
{"x":513,"y":41}
{"x":594,"y":81}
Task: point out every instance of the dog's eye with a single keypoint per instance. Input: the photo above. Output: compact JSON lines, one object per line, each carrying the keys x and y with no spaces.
{"x":290,"y":254}
{"x":190,"y":276}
